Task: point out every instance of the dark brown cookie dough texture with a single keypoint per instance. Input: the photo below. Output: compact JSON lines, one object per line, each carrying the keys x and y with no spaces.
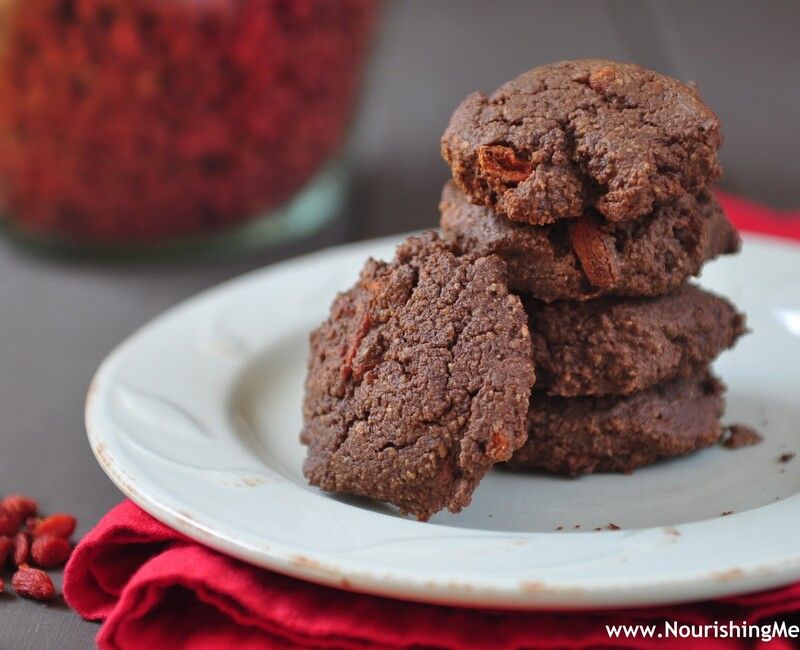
{"x":419,"y":381}
{"x":587,"y":258}
{"x":591,"y":179}
{"x":591,"y":133}
{"x":581,"y":435}
{"x":618,"y":346}
{"x":582,"y":186}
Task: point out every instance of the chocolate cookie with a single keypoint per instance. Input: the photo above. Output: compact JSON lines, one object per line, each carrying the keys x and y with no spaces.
{"x":564,"y":137}
{"x":587,"y":258}
{"x":617,"y":346}
{"x":419,"y":380}
{"x":581,"y":435}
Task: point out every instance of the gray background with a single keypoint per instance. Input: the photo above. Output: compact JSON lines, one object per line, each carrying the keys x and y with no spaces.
{"x":59,"y":319}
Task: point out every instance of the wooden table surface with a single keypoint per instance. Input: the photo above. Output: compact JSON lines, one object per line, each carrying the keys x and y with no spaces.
{"x":60,"y":319}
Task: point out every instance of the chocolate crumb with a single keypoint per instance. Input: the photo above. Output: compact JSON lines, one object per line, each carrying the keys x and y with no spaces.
{"x":559,"y":528}
{"x":740,"y":435}
{"x":577,"y":526}
{"x":727,"y":512}
{"x":614,"y":527}
{"x":785,"y":458}
{"x":598,"y":529}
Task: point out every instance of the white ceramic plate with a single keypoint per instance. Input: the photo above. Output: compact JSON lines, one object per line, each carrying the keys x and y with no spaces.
{"x":196,"y":418}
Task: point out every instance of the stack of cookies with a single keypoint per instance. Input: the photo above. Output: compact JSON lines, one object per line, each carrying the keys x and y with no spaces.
{"x":590,"y":179}
{"x":551,"y":325}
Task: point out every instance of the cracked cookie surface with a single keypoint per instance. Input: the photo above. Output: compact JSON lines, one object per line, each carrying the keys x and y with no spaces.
{"x":567,"y":136}
{"x":581,"y":435}
{"x":617,"y":346}
{"x":419,"y":380}
{"x":587,"y":258}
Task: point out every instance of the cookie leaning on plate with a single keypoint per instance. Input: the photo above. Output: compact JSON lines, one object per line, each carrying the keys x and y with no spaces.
{"x":419,"y":380}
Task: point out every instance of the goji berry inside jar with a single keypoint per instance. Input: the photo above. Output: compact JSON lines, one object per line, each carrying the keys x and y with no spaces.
{"x":140,"y":121}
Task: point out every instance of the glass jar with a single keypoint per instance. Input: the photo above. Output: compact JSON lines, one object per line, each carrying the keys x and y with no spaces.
{"x":139,"y":123}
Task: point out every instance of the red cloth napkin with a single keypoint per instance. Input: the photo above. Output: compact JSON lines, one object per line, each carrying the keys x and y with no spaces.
{"x":154,"y":588}
{"x":752,"y":217}
{"x":157,"y":589}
